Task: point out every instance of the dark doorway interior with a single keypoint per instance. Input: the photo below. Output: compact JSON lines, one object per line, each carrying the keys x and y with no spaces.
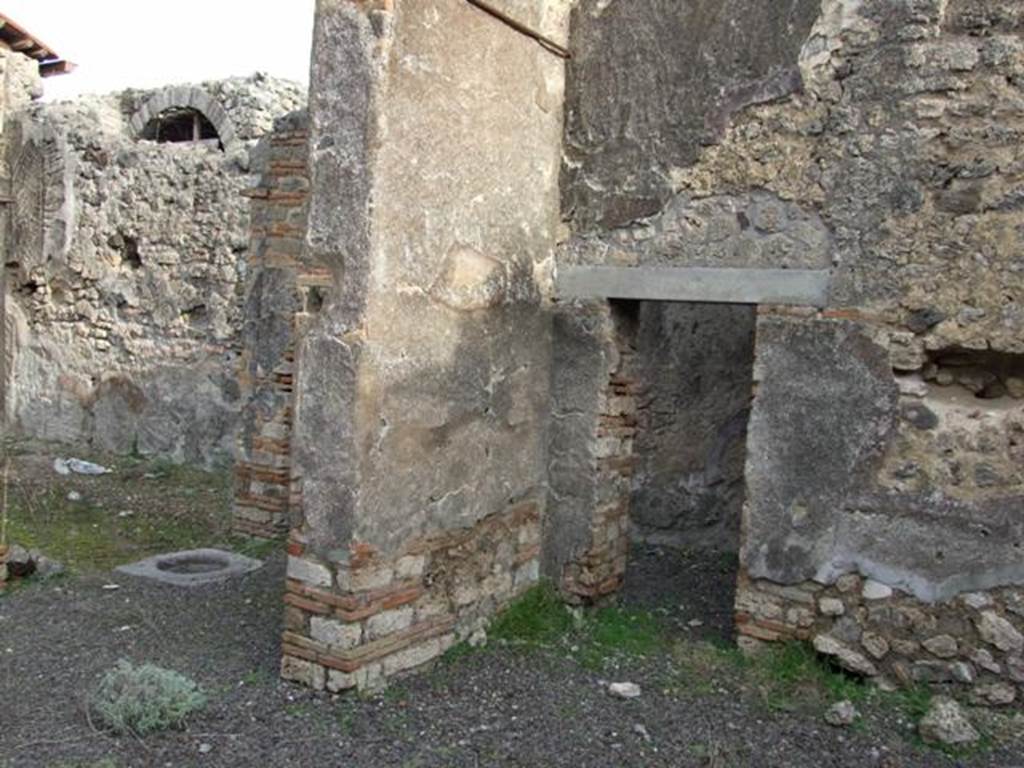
{"x":695,"y":362}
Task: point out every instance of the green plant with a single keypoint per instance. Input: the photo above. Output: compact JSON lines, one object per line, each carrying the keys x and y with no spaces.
{"x":536,"y":619}
{"x":616,"y":631}
{"x":257,"y":548}
{"x":457,"y":652}
{"x":540,"y":618}
{"x":790,"y":674}
{"x":144,"y":699}
{"x":914,"y":701}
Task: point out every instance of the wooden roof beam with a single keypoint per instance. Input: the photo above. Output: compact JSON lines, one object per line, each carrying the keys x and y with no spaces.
{"x":53,"y":68}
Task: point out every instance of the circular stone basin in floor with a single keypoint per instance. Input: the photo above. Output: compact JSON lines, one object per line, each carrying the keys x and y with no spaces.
{"x":188,"y":563}
{"x":192,"y":567}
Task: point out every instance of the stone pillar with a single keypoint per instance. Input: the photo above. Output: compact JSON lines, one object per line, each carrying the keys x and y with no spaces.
{"x":422,"y":385}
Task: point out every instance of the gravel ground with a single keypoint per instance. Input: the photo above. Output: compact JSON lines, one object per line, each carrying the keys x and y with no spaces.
{"x":693,"y":592}
{"x":500,"y":707}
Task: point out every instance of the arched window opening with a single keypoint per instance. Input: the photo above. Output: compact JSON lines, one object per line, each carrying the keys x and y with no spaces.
{"x":181,"y":124}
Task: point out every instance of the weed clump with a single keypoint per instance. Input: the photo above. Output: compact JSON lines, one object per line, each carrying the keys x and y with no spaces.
{"x":144,"y":699}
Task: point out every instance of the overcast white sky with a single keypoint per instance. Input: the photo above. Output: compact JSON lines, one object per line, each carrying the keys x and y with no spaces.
{"x":146,"y":43}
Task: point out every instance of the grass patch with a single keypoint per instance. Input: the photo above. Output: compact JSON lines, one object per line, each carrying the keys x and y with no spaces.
{"x":541,"y":619}
{"x":456,"y":653}
{"x":792,"y":675}
{"x":140,"y":509}
{"x":536,"y":619}
{"x":256,"y":548}
{"x":74,"y":533}
{"x":144,"y":699}
{"x":257,"y":677}
{"x":785,"y":677}
{"x":912,"y":702}
{"x":614,"y":631}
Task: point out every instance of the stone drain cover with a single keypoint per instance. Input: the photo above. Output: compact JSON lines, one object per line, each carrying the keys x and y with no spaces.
{"x":192,"y":567}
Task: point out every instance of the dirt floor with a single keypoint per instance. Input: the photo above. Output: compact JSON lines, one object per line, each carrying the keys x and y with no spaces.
{"x":535,"y":696}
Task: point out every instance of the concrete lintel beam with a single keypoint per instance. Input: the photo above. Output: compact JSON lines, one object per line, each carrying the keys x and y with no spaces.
{"x":802,"y":287}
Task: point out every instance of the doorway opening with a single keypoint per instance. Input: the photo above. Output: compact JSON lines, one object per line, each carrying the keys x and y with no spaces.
{"x":693,"y":365}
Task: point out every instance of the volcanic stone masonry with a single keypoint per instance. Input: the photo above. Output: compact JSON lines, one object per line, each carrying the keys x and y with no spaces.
{"x":458,"y":431}
{"x":126,"y":264}
{"x":884,"y":516}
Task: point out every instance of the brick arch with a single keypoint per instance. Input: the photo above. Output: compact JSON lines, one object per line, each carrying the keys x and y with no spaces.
{"x":191,"y":98}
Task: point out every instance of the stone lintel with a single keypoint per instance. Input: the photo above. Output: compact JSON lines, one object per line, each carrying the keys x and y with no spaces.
{"x":713,"y":285}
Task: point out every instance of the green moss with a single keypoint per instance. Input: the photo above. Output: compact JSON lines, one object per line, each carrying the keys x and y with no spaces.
{"x":77,"y":534}
{"x":540,"y":619}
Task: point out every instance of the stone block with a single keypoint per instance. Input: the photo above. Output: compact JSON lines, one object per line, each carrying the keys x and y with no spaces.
{"x":830,"y":606}
{"x":413,"y":657}
{"x":389,"y":622}
{"x":340,"y":681}
{"x":308,"y":572}
{"x":303,"y":672}
{"x":942,"y":646}
{"x":998,"y":631}
{"x":410,"y":567}
{"x":335,"y":633}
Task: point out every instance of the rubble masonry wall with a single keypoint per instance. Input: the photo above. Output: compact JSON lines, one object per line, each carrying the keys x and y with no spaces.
{"x":884,"y":519}
{"x":124,"y":294}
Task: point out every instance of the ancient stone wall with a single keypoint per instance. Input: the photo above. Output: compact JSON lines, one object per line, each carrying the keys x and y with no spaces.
{"x":881,"y":141}
{"x":283,"y":292}
{"x":422,"y":388}
{"x":125,"y":293}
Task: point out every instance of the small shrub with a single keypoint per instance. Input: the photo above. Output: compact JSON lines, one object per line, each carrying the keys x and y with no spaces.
{"x":145,"y":699}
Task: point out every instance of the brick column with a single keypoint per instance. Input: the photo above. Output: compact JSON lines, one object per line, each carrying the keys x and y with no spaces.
{"x":282,"y":289}
{"x":600,"y":569}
